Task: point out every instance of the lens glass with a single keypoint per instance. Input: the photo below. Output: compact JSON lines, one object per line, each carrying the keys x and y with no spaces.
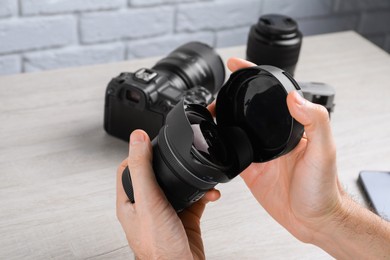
{"x":208,"y":143}
{"x":266,"y":113}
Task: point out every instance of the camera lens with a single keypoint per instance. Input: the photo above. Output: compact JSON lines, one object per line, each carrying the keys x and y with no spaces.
{"x":193,"y":64}
{"x":192,"y":154}
{"x":275,"y":40}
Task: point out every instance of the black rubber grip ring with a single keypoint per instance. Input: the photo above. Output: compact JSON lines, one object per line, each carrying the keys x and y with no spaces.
{"x":127,"y":184}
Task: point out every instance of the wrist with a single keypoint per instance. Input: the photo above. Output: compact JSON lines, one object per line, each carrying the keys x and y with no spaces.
{"x":329,"y":236}
{"x":354,"y":232}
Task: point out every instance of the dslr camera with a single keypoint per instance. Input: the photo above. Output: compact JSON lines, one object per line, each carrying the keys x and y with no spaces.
{"x":193,"y":72}
{"x":192,"y":151}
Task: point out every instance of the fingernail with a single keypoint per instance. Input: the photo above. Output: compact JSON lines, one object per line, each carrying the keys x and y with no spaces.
{"x":299,"y":99}
{"x":136,"y":137}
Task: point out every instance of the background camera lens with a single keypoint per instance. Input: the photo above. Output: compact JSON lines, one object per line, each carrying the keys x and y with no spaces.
{"x":275,"y":40}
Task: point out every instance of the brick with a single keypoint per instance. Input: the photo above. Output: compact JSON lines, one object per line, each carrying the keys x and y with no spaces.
{"x":360,"y":5}
{"x":108,"y":26}
{"x":73,"y":56}
{"x":156,"y":2}
{"x":232,"y":37}
{"x":328,"y":24}
{"x":10,"y":64}
{"x":33,"y":7}
{"x":217,"y":15}
{"x":375,"y":22}
{"x":8,"y":8}
{"x":161,"y":46}
{"x":298,"y":8}
{"x":32,"y":33}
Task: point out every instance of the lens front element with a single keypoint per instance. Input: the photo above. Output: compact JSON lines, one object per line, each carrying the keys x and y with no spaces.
{"x":208,"y":146}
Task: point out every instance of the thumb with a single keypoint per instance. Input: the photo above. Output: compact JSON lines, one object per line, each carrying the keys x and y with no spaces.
{"x":140,"y":167}
{"x":315,"y":119}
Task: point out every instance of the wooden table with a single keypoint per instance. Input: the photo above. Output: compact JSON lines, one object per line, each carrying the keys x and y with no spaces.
{"x":57,"y":165}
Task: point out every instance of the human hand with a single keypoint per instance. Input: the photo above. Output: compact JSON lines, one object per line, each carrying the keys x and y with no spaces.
{"x":300,"y":190}
{"x":153,"y":228}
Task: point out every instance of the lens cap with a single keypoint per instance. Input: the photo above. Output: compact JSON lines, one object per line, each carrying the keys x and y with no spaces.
{"x":254,"y":99}
{"x":277,"y":25}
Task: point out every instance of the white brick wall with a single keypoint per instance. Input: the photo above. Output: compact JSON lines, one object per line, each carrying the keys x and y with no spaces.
{"x":8,"y":8}
{"x":10,"y":64}
{"x":159,"y":46}
{"x":38,"y":32}
{"x":74,"y":56}
{"x":46,"y":34}
{"x":34,"y":7}
{"x":299,"y":8}
{"x":217,"y":15}
{"x":131,"y":24}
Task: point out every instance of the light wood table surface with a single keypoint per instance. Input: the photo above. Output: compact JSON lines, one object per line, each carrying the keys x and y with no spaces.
{"x":58,"y":166}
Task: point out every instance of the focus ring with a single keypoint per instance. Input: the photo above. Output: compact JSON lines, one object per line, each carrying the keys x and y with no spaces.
{"x":128,"y":185}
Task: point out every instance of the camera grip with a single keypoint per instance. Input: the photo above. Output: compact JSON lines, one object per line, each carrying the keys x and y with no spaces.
{"x":127,"y":184}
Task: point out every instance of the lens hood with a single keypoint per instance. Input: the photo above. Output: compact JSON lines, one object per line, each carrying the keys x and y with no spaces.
{"x":176,"y":141}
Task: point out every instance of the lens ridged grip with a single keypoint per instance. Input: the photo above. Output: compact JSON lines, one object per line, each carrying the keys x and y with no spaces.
{"x":128,"y":185}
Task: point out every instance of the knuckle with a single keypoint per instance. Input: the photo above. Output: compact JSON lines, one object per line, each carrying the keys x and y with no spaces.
{"x":322,"y":113}
{"x":122,"y":166}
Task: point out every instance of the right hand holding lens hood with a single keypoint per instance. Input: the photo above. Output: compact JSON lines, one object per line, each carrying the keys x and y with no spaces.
{"x":192,"y":153}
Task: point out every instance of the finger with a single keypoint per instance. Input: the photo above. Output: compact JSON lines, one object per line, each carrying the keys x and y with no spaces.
{"x":211,"y":108}
{"x":211,"y":196}
{"x":196,"y":210}
{"x":315,"y":119}
{"x":144,"y":182}
{"x":237,"y":63}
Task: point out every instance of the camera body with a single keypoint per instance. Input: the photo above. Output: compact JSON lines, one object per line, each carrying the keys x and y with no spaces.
{"x":141,"y":100}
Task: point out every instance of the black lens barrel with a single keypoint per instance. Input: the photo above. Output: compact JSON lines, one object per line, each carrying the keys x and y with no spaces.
{"x":275,"y":40}
{"x":194,"y":64}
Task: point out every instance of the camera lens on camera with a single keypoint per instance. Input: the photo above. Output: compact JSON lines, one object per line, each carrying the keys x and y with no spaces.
{"x":275,"y":40}
{"x":193,"y":64}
